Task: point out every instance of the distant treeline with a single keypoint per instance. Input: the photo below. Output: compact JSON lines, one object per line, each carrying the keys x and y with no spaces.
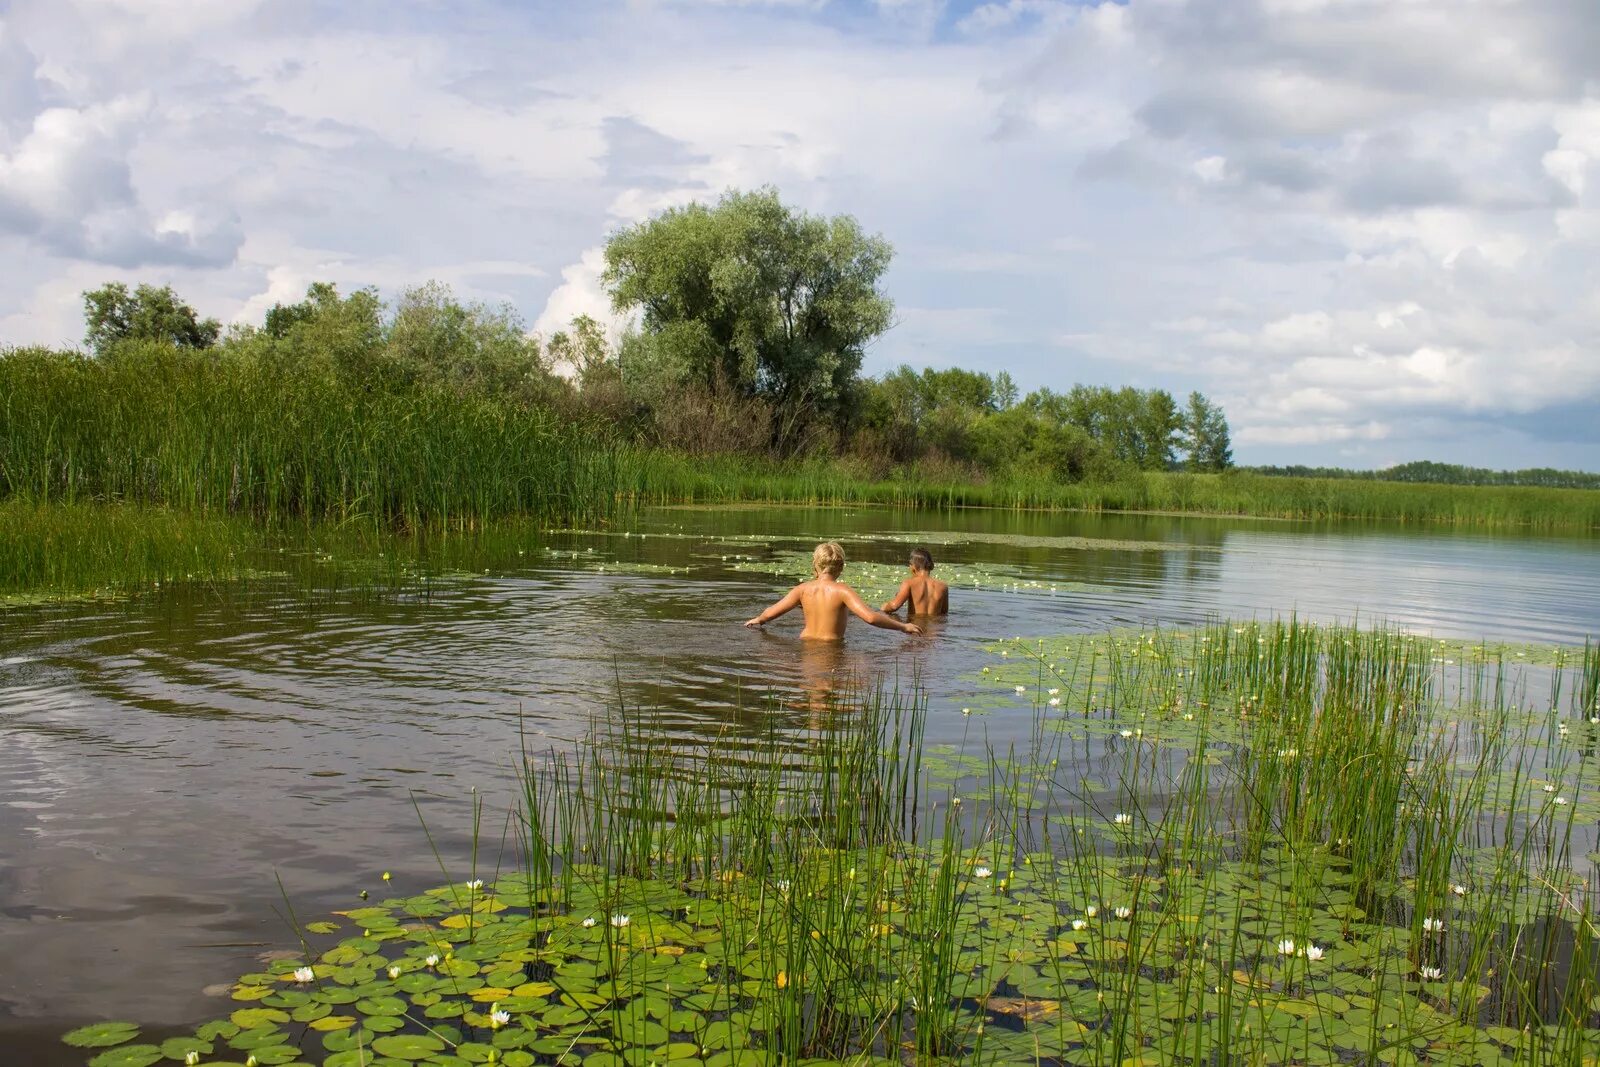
{"x":1444,"y":474}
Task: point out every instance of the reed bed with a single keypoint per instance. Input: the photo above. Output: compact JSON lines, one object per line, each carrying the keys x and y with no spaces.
{"x":210,"y":435}
{"x":1249,"y":844}
{"x":277,"y":441}
{"x":662,"y":478}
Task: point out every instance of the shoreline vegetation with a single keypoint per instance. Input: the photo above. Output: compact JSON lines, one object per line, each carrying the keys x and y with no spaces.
{"x":1222,"y":890}
{"x":740,"y":382}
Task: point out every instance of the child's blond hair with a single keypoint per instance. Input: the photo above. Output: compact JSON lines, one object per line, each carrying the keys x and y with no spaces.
{"x":829,"y":556}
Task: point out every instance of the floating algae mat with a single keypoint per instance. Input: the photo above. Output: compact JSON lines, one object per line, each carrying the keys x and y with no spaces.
{"x":1343,"y":856}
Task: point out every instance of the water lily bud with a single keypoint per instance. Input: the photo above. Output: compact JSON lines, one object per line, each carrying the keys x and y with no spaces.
{"x":191,"y":1058}
{"x":386,"y":876}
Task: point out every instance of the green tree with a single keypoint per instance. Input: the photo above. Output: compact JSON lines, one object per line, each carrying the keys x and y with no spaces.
{"x":344,"y":335}
{"x":1160,"y":430}
{"x":1205,"y":435}
{"x":113,"y":314}
{"x":584,"y":348}
{"x":436,"y":339}
{"x":752,"y":295}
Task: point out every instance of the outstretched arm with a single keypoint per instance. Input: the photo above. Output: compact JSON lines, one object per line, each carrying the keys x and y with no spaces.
{"x":862,"y":611}
{"x":782,"y":607}
{"x":900,"y":598}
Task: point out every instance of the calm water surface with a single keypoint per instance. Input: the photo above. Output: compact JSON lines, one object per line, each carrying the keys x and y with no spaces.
{"x":164,"y":762}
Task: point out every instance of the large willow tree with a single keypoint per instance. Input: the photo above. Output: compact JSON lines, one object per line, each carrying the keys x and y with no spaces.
{"x":754,"y":296}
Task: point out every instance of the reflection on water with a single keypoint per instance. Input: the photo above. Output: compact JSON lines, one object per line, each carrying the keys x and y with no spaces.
{"x":163,"y":762}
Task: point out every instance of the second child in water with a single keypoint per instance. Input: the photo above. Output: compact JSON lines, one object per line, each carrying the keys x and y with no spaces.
{"x":926,"y":594}
{"x":827,"y":602}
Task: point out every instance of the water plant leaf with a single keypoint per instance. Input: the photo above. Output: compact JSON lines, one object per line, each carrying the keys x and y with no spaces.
{"x":101,"y":1035}
{"x":128,"y":1056}
{"x":408,"y":1046}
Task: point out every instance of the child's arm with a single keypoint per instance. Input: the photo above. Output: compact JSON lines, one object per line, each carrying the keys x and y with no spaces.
{"x":853,"y":601}
{"x":900,"y":598}
{"x":782,"y":607}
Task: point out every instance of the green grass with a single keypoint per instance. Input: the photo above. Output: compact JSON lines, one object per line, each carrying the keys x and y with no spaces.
{"x":227,"y":435}
{"x":663,"y":478}
{"x":190,"y":431}
{"x":1257,"y":844}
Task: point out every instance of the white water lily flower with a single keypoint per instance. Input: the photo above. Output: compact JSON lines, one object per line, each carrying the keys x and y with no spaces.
{"x":1127,"y":733}
{"x":1432,"y":925}
{"x":1091,"y":911}
{"x":983,"y":872}
{"x":1021,"y":689}
{"x":432,"y":961}
{"x":1055,"y":702}
{"x":1286,"y":946}
{"x":1122,"y":818}
{"x":1288,"y":753}
{"x":1079,"y":924}
{"x":966,"y":711}
{"x":1459,"y":890}
{"x":1313,"y":953}
{"x":1123,"y":912}
{"x":1560,"y":800}
{"x":620,"y":921}
{"x":1055,"y":692}
{"x":498,"y":1018}
{"x":394,"y":970}
{"x":1432,"y":974}
{"x":588,"y":922}
{"x":304,"y":974}
{"x":476,"y":883}
{"x":1549,"y":788}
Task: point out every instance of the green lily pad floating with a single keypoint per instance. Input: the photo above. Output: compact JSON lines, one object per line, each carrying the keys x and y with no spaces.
{"x":176,"y":1048}
{"x":128,"y":1056}
{"x":408,"y":1046}
{"x":101,"y":1035}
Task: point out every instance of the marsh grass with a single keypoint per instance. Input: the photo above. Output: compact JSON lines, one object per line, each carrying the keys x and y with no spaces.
{"x":278,"y":441}
{"x":1246,"y":844}
{"x":665,"y":478}
{"x":214,"y":436}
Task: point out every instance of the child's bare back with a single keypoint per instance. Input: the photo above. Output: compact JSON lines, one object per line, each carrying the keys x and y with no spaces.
{"x":926,"y":594}
{"x":827,"y":602}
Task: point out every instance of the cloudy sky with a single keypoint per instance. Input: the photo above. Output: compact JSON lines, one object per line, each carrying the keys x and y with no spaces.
{"x":1370,"y":228}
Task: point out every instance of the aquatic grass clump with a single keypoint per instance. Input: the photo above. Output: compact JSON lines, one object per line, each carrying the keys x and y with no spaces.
{"x":276,"y":442}
{"x":50,"y":551}
{"x":1272,"y":844}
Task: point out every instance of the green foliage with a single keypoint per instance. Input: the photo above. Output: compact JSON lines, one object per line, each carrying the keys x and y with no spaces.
{"x":1446,"y":474}
{"x":754,"y":296}
{"x":113,"y":315}
{"x":246,"y":432}
{"x":1205,"y":438}
{"x":1088,"y":432}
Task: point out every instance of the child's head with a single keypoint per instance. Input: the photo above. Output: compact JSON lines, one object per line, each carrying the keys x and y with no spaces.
{"x":921,"y":560}
{"x":828,"y":558}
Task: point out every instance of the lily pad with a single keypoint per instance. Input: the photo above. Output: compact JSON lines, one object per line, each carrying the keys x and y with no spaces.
{"x":128,"y":1056}
{"x":101,"y":1035}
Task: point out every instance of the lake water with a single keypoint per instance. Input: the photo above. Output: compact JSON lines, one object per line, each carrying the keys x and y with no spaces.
{"x":166,"y":762}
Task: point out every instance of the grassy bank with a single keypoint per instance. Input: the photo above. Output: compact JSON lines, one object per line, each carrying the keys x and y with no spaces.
{"x":280,"y":442}
{"x":665,"y":478}
{"x":188,"y":431}
{"x":1266,"y":845}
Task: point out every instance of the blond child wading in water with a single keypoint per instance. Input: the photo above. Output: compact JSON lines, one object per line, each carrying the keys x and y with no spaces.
{"x":828,"y":603}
